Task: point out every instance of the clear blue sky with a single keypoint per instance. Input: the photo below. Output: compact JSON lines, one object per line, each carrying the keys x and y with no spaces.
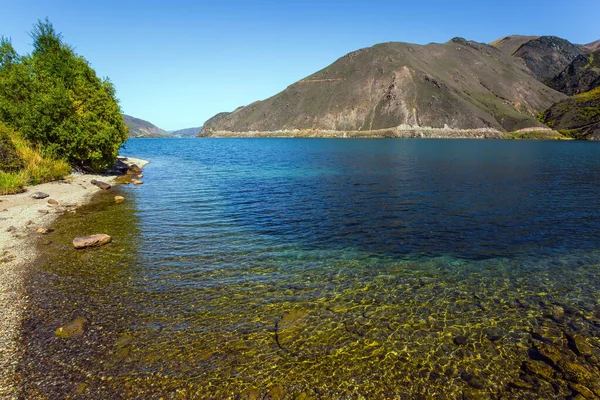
{"x":177,"y":63}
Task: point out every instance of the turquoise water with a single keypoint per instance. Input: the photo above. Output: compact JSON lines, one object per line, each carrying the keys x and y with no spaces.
{"x":300,"y":268}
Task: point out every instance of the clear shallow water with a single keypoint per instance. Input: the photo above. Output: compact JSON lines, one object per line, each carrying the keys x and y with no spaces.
{"x":330,"y":269}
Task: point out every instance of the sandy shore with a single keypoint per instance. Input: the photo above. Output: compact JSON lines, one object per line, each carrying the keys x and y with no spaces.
{"x":20,"y":217}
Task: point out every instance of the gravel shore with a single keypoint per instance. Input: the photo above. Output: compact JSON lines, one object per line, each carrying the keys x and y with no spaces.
{"x":20,"y":217}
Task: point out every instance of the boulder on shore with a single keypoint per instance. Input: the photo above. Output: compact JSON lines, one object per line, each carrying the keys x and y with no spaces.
{"x":96,"y":240}
{"x":100,"y":184}
{"x":40,"y":195}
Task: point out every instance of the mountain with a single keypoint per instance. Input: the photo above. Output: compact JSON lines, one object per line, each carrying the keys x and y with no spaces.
{"x":581,"y":75}
{"x":577,"y":116}
{"x":459,"y":84}
{"x":189,"y":132}
{"x":547,"y":56}
{"x":138,"y":128}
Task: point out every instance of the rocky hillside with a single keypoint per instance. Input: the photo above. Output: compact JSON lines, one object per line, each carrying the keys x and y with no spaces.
{"x":547,"y":56}
{"x":138,"y":128}
{"x":581,"y":75}
{"x":577,"y":116}
{"x":459,"y":85}
{"x":186,"y":133}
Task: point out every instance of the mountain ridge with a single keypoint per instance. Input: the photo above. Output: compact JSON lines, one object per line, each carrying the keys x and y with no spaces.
{"x":459,"y":84}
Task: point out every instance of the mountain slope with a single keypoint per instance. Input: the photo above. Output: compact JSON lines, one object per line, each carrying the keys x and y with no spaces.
{"x":509,"y":44}
{"x":188,"y":132}
{"x":458,"y":84}
{"x":578,"y":116}
{"x":581,"y":75}
{"x":547,"y":56}
{"x":138,"y":128}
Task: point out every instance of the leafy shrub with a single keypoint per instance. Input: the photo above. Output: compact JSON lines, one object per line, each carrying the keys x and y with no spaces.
{"x":54,"y":98}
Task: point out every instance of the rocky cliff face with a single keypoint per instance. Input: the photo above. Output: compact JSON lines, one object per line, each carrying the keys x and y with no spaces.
{"x":459,"y":84}
{"x":547,"y":56}
{"x":581,"y":75}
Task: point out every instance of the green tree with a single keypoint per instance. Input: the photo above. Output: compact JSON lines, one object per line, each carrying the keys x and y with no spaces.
{"x":56,"y":100}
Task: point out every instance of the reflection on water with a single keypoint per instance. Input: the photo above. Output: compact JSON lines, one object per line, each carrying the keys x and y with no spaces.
{"x":330,"y":269}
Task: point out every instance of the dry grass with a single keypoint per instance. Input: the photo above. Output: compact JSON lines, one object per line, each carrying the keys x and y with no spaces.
{"x":38,"y":168}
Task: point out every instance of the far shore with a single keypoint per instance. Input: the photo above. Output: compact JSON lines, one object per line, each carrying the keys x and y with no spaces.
{"x":21,"y":216}
{"x":542,"y":133}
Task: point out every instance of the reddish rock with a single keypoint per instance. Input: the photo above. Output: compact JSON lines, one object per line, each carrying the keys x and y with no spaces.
{"x":100,"y":184}
{"x":91,"y":241}
{"x":53,"y":202}
{"x":136,"y":182}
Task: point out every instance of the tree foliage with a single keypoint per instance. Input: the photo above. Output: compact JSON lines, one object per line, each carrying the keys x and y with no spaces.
{"x":56,"y":100}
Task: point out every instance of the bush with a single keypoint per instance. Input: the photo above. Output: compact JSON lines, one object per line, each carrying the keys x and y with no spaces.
{"x":54,"y":98}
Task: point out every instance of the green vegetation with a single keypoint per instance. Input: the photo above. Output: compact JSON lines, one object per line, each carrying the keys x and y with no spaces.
{"x":535,"y":135}
{"x":577,"y":117}
{"x":58,"y":104}
{"x":24,"y":164}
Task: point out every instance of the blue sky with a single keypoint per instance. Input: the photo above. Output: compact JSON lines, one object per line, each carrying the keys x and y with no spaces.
{"x":177,"y":63}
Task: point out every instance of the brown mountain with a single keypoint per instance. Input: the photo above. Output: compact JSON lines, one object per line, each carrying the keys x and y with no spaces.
{"x":138,"y":128}
{"x":459,"y":85}
{"x":577,"y":116}
{"x":581,"y":75}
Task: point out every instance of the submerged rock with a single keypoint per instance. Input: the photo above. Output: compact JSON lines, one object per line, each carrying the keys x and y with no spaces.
{"x":100,"y":184}
{"x":40,"y":195}
{"x":96,"y":240}
{"x":136,"y":182}
{"x":43,"y":231}
{"x":539,"y":368}
{"x":53,"y":202}
{"x":460,"y":340}
{"x":119,"y":199}
{"x":73,"y":329}
{"x":11,"y":229}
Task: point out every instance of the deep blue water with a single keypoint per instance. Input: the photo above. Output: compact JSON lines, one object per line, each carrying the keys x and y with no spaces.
{"x":470,"y":199}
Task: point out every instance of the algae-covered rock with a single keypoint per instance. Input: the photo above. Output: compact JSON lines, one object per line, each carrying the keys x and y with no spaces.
{"x":574,"y":372}
{"x":73,"y":329}
{"x":539,"y":368}
{"x":96,"y":240}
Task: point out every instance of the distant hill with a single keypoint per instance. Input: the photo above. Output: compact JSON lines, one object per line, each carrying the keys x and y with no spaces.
{"x":510,"y":44}
{"x":459,"y":85}
{"x":581,"y":75}
{"x":577,"y":116}
{"x":591,"y":47}
{"x":138,"y":128}
{"x":183,"y":133}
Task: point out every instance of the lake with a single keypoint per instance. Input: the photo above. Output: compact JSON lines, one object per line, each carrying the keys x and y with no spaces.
{"x":315,"y":268}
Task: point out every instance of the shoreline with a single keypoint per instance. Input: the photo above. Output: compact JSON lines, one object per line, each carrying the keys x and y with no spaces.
{"x":18,"y":250}
{"x":541,"y":133}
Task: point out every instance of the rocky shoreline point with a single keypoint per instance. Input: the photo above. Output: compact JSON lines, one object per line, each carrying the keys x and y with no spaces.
{"x":23,"y":218}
